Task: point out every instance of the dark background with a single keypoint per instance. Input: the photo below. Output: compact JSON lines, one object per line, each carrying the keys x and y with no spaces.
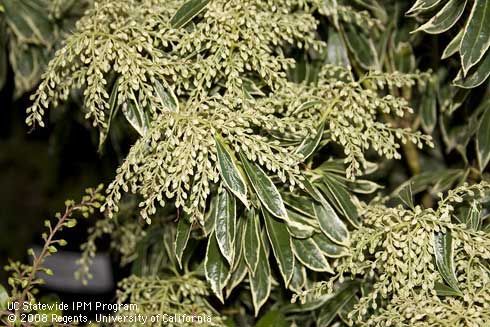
{"x":40,"y":169}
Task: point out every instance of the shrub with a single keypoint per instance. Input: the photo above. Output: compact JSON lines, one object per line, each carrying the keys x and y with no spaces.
{"x":270,"y":138}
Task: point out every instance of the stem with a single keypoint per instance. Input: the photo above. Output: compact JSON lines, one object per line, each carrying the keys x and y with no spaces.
{"x":5,"y":313}
{"x":6,"y":323}
{"x":39,"y":259}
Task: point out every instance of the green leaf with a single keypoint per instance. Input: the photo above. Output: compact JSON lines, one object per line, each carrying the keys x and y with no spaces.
{"x":27,"y":63}
{"x":300,"y":70}
{"x":280,"y":240}
{"x":476,"y":75}
{"x":305,"y":105}
{"x":330,"y":223}
{"x":361,"y":47}
{"x":236,"y":277}
{"x":314,"y":193}
{"x":273,"y":318}
{"x":265,"y":241}
{"x":169,"y":246}
{"x":113,"y":106}
{"x":336,"y":49}
{"x":264,"y":188}
{"x":347,"y":308}
{"x":37,"y":16}
{"x":428,"y":109}
{"x":445,"y":18}
{"x":331,"y":166}
{"x":457,"y":136}
{"x":308,"y":306}
{"x":453,"y":46}
{"x":304,"y":219}
{"x":4,"y":297}
{"x":473,"y":219}
{"x":423,"y":5}
{"x":329,"y":248}
{"x":16,"y":21}
{"x":238,"y":249}
{"x":137,"y":117}
{"x":209,"y":218}
{"x":406,"y":195}
{"x":333,"y":306}
{"x":363,"y":186}
{"x":483,"y":139}
{"x":300,"y":204}
{"x":309,"y":144}
{"x":299,"y":278}
{"x":444,"y":290}
{"x":29,"y":23}
{"x":181,"y":238}
{"x":332,"y":7}
{"x":251,"y":87}
{"x":151,"y":250}
{"x":225,"y":221}
{"x":229,"y":171}
{"x":444,"y":256}
{"x":386,"y":41}
{"x":447,"y":179}
{"x":260,"y":282}
{"x":438,"y":181}
{"x":216,"y":268}
{"x":309,"y":254}
{"x":187,"y":12}
{"x":404,"y":58}
{"x":476,"y":38}
{"x":113,"y":109}
{"x":167,"y":97}
{"x":340,"y":199}
{"x":251,"y":241}
{"x":298,"y":225}
{"x":451,"y":98}
{"x":305,"y":70}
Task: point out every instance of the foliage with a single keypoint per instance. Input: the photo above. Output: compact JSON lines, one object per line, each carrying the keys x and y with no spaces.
{"x":396,"y":248}
{"x":227,"y":89}
{"x":185,"y":295}
{"x":24,"y":279}
{"x":471,"y":40}
{"x":30,"y":30}
{"x":278,"y":156}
